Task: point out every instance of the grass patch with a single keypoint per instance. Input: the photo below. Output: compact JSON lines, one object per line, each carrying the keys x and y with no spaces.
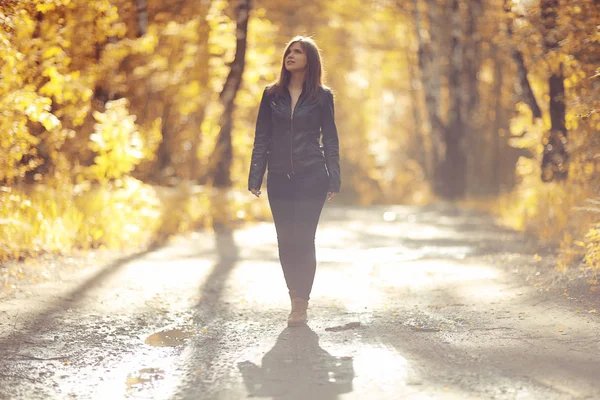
{"x":125,"y":214}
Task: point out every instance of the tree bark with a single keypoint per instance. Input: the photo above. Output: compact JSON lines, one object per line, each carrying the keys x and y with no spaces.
{"x":472,"y":60}
{"x":141,"y":7}
{"x":416,"y":114}
{"x":163,"y":153}
{"x":222,"y":156}
{"x":555,"y":157}
{"x":470,"y":104}
{"x":519,"y":59}
{"x":498,"y":122}
{"x":203,"y":69}
{"x":429,"y":68}
{"x":450,"y":180}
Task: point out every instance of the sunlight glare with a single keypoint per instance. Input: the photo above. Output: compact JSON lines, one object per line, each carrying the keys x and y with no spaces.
{"x":389,"y":216}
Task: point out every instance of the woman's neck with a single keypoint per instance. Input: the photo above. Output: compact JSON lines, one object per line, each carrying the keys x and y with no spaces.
{"x":296,"y":80}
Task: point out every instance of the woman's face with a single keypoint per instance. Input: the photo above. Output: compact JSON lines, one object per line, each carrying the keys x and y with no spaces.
{"x":295,"y":59}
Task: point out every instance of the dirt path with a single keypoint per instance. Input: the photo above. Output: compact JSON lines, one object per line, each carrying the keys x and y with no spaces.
{"x":408,"y":303}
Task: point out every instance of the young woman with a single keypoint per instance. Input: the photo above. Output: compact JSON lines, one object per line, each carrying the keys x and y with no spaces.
{"x":296,"y":115}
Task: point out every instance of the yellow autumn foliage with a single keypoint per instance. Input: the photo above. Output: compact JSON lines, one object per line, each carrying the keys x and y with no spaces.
{"x":118,"y":144}
{"x":109,"y":115}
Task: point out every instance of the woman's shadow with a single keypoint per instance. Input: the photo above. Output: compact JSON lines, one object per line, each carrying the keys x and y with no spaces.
{"x":298,"y":368}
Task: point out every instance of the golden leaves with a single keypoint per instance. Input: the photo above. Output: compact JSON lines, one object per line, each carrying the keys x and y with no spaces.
{"x":44,"y":6}
{"x":147,"y":43}
{"x":116,"y":141}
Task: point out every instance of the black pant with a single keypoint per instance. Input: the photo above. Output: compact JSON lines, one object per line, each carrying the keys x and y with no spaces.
{"x":296,"y":202}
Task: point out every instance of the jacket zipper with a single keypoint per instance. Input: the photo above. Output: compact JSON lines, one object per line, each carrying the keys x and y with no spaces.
{"x":292,"y":131}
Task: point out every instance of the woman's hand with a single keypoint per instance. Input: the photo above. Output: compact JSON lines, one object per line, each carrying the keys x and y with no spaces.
{"x":331,"y":195}
{"x":255,"y":192}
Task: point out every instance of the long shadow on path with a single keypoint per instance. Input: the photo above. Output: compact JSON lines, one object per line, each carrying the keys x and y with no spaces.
{"x":44,"y":318}
{"x":298,"y":368}
{"x":212,"y":289}
{"x":210,"y":319}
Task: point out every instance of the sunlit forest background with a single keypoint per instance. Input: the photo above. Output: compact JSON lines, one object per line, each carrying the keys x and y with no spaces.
{"x":126,"y":121}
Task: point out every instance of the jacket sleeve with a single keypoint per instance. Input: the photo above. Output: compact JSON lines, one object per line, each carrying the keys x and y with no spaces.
{"x":331,"y":143}
{"x":262,"y":141}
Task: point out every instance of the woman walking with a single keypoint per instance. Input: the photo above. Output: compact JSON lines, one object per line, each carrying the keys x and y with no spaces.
{"x":296,"y":114}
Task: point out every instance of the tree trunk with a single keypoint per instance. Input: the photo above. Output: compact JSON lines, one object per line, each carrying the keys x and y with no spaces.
{"x":416,"y":114}
{"x":475,"y":178}
{"x":203,"y":69}
{"x":517,"y":56}
{"x":472,"y":60}
{"x":163,"y":153}
{"x":222,"y":156}
{"x":450,"y":179}
{"x":141,"y":7}
{"x":555,"y":158}
{"x":429,"y":68}
{"x":498,"y":122}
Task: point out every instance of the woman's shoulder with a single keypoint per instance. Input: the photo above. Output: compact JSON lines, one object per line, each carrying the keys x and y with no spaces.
{"x":326,"y":92}
{"x":270,"y":89}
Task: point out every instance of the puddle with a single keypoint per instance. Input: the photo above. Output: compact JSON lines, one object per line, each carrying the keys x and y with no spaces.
{"x":137,"y":379}
{"x":170,"y":338}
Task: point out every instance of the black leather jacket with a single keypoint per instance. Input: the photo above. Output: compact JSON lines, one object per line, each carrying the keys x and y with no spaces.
{"x":291,"y":144}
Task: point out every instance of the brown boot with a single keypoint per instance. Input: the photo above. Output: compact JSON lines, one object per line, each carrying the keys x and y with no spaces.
{"x":298,"y":315}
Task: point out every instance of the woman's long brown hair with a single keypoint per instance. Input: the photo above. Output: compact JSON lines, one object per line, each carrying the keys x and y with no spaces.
{"x":314,"y":73}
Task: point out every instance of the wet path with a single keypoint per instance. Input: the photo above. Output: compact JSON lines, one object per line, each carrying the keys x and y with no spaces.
{"x":410,"y":303}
